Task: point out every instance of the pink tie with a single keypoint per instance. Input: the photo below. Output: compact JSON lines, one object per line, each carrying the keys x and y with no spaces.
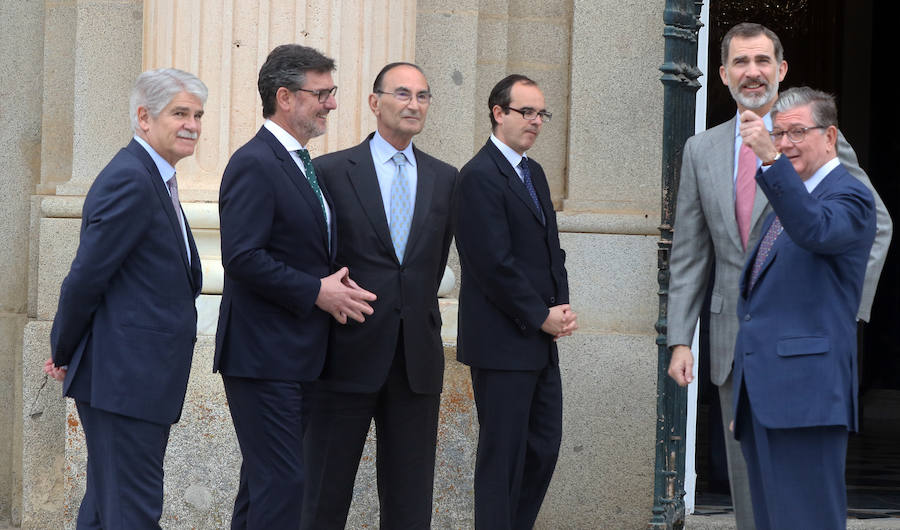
{"x":745,"y":192}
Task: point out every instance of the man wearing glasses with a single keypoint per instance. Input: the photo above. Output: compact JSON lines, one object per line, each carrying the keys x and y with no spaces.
{"x":278,"y":244}
{"x":513,"y":306}
{"x":393,"y":202}
{"x":718,"y":218}
{"x":795,"y":374}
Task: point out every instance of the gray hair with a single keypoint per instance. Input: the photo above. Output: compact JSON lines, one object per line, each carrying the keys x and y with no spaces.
{"x":821,"y":104}
{"x":154,"y":89}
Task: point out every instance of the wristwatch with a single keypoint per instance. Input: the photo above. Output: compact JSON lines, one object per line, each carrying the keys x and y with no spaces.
{"x":776,"y":157}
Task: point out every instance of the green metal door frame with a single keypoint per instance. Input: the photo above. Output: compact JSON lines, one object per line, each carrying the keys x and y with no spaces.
{"x":680,"y":74}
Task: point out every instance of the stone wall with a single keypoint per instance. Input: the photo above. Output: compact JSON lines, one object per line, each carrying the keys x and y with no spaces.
{"x":63,"y":115}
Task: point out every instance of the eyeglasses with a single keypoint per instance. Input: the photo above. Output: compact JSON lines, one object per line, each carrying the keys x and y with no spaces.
{"x":795,"y":135}
{"x":404,"y":96}
{"x":322,"y":94}
{"x":530,"y":114}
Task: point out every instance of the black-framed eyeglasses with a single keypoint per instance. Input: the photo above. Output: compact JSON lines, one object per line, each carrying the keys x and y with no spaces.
{"x":322,"y":93}
{"x":795,"y":135}
{"x":404,"y":96}
{"x":530,"y":114}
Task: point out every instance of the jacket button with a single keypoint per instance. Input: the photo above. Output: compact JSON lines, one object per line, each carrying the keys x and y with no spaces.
{"x":552,"y":299}
{"x":747,"y":318}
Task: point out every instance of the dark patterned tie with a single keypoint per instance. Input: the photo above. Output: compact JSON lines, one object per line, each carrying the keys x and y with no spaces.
{"x":529,"y":185}
{"x":764,"y":248}
{"x":314,"y":184}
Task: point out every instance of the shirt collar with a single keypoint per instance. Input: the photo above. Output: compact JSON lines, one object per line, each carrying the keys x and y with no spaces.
{"x":767,"y":119}
{"x":508,"y":152}
{"x":284,"y":138}
{"x":820,"y":174}
{"x":166,"y":171}
{"x":382,"y":151}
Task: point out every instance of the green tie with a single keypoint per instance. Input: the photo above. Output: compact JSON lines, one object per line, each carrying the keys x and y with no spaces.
{"x":314,"y":183}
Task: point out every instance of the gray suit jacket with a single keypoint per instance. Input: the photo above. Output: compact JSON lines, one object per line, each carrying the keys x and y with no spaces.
{"x":706,"y":231}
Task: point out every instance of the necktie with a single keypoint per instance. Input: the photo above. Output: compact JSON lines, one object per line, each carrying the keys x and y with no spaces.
{"x":400,"y":207}
{"x":745,"y":192}
{"x":529,"y":185}
{"x":764,"y":248}
{"x":313,"y":183}
{"x":172,"y":185}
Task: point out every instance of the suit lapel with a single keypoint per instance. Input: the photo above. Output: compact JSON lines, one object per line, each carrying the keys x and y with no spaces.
{"x":424,"y":193}
{"x":292,"y":171}
{"x":512,"y":178}
{"x":721,"y":162}
{"x":364,"y":180}
{"x":166,"y":203}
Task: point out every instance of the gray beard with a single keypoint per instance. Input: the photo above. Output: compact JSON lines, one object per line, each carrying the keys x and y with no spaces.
{"x":751,"y":102}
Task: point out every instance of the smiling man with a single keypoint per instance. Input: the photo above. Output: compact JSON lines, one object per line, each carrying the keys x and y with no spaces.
{"x":718,"y":217}
{"x":281,"y":289}
{"x":393,"y":201}
{"x":795,"y":357}
{"x":124,"y":332}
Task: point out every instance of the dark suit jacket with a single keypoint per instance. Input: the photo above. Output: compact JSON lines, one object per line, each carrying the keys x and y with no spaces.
{"x":796,"y":346}
{"x":513,"y":268}
{"x":360,"y":355}
{"x":126,"y":309}
{"x":275,"y":251}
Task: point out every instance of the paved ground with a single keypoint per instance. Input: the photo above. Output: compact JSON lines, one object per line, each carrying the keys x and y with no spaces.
{"x":726,"y":522}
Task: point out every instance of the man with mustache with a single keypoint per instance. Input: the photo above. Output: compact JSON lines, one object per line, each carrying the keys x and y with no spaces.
{"x":718,"y":217}
{"x":393,"y":201}
{"x":281,"y":292}
{"x":124,"y":332}
{"x":513,"y":306}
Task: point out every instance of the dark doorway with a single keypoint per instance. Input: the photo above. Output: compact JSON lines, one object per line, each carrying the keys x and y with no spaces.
{"x":840,"y":46}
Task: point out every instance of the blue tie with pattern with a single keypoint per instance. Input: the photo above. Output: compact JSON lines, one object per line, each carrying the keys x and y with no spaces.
{"x":529,"y":185}
{"x":764,"y":248}
{"x":400,"y":207}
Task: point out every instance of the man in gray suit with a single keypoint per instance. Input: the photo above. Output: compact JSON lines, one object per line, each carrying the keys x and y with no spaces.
{"x":718,"y":217}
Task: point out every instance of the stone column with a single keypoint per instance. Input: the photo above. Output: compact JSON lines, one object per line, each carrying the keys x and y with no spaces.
{"x":21,"y":51}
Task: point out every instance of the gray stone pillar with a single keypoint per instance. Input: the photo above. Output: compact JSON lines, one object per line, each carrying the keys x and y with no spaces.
{"x":21,"y":51}
{"x":108,"y":37}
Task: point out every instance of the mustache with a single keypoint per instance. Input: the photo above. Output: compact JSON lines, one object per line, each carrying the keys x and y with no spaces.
{"x":188,"y":134}
{"x":756,"y":81}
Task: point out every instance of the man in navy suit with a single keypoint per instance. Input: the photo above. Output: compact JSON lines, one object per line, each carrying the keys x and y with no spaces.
{"x":281,"y":289}
{"x":513,"y":306}
{"x":125,"y":328}
{"x":795,"y":358}
{"x":393,"y":201}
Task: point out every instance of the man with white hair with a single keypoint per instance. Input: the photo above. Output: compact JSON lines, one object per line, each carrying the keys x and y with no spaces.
{"x":125,"y":328}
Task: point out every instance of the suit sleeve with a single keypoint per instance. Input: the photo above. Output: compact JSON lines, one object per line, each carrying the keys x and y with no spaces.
{"x":114,"y":218}
{"x":451,"y":222}
{"x":247,"y":206}
{"x":883,"y":229}
{"x":830,"y":224}
{"x":692,"y":255}
{"x":485,"y":249}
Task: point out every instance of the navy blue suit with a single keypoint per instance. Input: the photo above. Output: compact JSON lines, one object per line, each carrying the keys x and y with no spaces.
{"x":795,"y":358}
{"x":513,"y":271}
{"x":271,"y":336}
{"x":391,"y":366}
{"x":126,"y":327}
